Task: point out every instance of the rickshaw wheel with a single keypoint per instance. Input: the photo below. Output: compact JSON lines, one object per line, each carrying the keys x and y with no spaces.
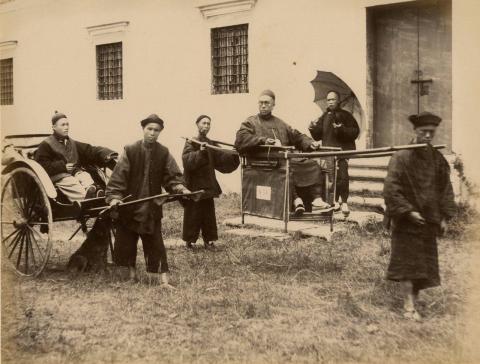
{"x":26,"y":222}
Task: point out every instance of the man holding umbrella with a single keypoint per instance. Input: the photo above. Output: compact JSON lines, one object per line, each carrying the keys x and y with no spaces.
{"x":337,"y":128}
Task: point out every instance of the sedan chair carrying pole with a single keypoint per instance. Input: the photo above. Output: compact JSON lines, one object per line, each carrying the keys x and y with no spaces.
{"x":242,"y":166}
{"x":334,"y":181}
{"x":374,"y":151}
{"x":286,"y":199}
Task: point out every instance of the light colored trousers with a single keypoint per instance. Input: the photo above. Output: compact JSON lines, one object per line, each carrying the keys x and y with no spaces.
{"x":75,"y":187}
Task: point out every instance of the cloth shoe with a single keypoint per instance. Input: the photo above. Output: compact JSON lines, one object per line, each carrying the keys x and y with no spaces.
{"x":299,"y":207}
{"x":189,"y":244}
{"x":319,"y":204}
{"x":345,"y":209}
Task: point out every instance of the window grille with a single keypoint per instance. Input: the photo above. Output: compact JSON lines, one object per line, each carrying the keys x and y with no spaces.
{"x":6,"y":81}
{"x":109,"y":71}
{"x":230,"y":59}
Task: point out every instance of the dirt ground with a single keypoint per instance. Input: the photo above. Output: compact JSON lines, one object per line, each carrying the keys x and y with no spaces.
{"x":254,"y":300}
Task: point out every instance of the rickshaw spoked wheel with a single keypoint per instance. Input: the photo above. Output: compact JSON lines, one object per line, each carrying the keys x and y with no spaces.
{"x":26,"y":222}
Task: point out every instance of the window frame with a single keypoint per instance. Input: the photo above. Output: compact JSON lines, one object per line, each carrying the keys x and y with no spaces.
{"x":114,"y":65}
{"x":229,"y":62}
{"x":9,"y":99}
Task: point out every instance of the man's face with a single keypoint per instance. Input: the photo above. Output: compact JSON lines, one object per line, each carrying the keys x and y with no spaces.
{"x":265,"y":104}
{"x":425,"y":133}
{"x":203,"y":126}
{"x":61,"y":127}
{"x":151,"y":131}
{"x":332,"y":100}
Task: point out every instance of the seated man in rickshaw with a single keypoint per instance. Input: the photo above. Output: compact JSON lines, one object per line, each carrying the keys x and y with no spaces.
{"x":65,"y":161}
{"x":266,"y":129}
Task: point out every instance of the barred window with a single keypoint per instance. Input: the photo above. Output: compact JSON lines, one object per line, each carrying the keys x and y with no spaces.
{"x":230,"y":59}
{"x":109,"y":71}
{"x":6,"y":81}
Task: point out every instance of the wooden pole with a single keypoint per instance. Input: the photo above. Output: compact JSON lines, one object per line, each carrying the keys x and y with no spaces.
{"x":242,"y":166}
{"x":212,"y":146}
{"x":348,"y":153}
{"x":286,"y":204}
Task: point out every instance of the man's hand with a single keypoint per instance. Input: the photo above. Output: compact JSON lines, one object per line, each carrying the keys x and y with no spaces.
{"x":113,"y":211}
{"x":69,"y":167}
{"x":185,"y":191}
{"x":270,"y":141}
{"x":316,"y":145}
{"x":115,"y":202}
{"x":313,"y":124}
{"x":111,"y":156}
{"x":443,"y":226}
{"x":416,"y":218}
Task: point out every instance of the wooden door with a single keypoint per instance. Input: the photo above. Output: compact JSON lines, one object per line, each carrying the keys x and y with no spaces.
{"x":411,"y":58}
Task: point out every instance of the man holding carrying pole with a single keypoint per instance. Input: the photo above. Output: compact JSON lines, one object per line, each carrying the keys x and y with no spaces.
{"x":200,"y":163}
{"x":144,"y":167}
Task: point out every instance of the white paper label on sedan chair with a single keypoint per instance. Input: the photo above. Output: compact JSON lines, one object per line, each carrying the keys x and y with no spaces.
{"x":264,"y":193}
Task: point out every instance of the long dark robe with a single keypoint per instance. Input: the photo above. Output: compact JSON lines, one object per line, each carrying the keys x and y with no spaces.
{"x":417,"y":180}
{"x":257,"y":128}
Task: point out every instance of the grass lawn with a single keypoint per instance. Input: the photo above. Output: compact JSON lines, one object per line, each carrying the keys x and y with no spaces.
{"x":254,"y":300}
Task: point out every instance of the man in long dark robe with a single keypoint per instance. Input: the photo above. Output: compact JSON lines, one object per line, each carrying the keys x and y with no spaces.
{"x":266,"y":129}
{"x":199,"y":164}
{"x":337,"y":128}
{"x":419,"y":199}
{"x":142,"y":170}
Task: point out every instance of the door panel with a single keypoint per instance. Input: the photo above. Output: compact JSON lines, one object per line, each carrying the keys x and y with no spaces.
{"x":435,"y":55}
{"x":396,"y":59}
{"x":408,"y":38}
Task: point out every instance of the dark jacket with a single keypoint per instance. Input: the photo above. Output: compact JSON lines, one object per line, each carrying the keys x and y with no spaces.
{"x":343,"y":136}
{"x":129,"y":173}
{"x":53,"y":159}
{"x":200,"y":165}
{"x":418,"y":180}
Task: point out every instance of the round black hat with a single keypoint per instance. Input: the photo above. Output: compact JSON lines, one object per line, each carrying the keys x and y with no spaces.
{"x":153,"y":118}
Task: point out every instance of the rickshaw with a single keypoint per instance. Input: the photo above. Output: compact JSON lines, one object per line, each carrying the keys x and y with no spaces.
{"x":31,"y":205}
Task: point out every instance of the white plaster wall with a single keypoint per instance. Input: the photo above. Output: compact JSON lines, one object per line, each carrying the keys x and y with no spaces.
{"x":167,"y":65}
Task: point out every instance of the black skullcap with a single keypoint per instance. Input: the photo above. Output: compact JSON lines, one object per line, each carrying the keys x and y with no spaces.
{"x":57,"y":116}
{"x":268,"y":93}
{"x":424,"y":118}
{"x":153,"y":118}
{"x":201,"y":117}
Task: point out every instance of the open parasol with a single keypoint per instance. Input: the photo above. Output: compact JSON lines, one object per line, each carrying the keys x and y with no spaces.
{"x":329,"y":81}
